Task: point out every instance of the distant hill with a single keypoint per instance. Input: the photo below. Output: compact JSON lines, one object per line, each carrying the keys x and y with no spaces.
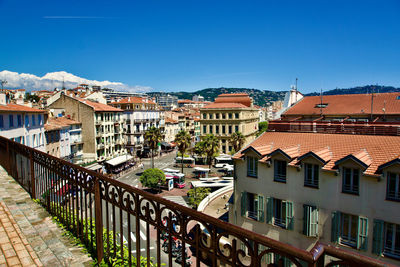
{"x":260,"y":97}
{"x":359,"y":90}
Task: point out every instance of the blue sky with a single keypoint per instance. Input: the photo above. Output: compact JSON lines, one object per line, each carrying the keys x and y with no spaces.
{"x":195,"y":44}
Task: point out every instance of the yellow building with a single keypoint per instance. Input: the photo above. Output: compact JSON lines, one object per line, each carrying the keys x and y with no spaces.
{"x":228,"y":114}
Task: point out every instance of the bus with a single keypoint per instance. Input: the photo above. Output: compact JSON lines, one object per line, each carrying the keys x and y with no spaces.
{"x":221,"y":161}
{"x":187,"y":162}
{"x":179,"y":179}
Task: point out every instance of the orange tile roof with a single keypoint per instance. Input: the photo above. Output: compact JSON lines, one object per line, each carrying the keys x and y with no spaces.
{"x":225,"y":105}
{"x":169,"y":120}
{"x":133,"y":100}
{"x":56,"y":123}
{"x":235,"y":94}
{"x":243,"y":99}
{"x":371,"y":150}
{"x":182,"y":101}
{"x":347,"y":104}
{"x":19,"y":108}
{"x":98,"y":106}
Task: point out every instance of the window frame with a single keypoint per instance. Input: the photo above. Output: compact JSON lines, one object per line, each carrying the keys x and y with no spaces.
{"x":391,"y":252}
{"x":346,"y":238}
{"x":396,"y":191}
{"x":280,"y":177}
{"x":314,"y":181}
{"x":252,"y":167}
{"x":354,"y":188}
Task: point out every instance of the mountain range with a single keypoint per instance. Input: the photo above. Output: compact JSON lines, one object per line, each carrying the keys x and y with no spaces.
{"x":264,"y":97}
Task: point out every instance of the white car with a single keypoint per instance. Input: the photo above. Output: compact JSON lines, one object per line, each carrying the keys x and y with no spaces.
{"x":221,"y":165}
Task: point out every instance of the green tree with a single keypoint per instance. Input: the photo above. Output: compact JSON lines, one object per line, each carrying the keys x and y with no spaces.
{"x":211,"y":147}
{"x":151,"y":178}
{"x":182,"y":140}
{"x":262,"y":127}
{"x":152,"y":136}
{"x":196,"y":195}
{"x":237,"y":140}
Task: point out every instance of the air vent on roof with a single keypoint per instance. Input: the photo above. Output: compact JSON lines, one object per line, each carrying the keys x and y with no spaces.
{"x":323,"y":105}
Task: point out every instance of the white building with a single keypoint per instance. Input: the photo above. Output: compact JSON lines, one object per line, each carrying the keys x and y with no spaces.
{"x":140,"y":113}
{"x":23,"y":124}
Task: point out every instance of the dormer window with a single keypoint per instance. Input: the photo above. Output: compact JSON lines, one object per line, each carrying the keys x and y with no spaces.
{"x":393,"y":186}
{"x":280,"y":171}
{"x":252,"y":167}
{"x":351,"y":181}
{"x":311,"y":175}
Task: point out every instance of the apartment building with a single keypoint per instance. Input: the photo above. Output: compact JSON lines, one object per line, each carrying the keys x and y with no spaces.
{"x":228,"y":114}
{"x":63,"y":138}
{"x":300,"y":188}
{"x":23,"y":124}
{"x":356,"y":107}
{"x":102,"y":126}
{"x":171,"y":129}
{"x":140,"y":114}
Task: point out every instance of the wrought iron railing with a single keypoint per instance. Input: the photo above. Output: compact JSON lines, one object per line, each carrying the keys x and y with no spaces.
{"x":370,"y":128}
{"x":116,"y":220}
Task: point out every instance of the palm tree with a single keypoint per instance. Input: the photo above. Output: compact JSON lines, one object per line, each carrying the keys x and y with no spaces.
{"x":237,"y":140}
{"x":182,"y":140}
{"x":211,"y":147}
{"x":152,"y":136}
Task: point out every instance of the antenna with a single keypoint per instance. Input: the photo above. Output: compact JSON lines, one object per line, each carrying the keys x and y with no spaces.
{"x":320,"y":106}
{"x":372,"y":102}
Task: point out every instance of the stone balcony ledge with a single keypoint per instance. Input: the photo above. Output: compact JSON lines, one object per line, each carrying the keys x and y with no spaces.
{"x":28,"y":236}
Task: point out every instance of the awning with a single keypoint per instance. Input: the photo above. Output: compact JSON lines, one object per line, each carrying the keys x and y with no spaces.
{"x":94,"y":167}
{"x":171,"y":170}
{"x":165,"y":144}
{"x":199,"y":169}
{"x":119,"y":160}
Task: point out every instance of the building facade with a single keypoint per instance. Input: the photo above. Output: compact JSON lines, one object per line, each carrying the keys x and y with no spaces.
{"x":23,"y":124}
{"x":228,"y":114}
{"x":300,"y":188}
{"x":140,"y":113}
{"x":102,"y":126}
{"x":171,"y":129}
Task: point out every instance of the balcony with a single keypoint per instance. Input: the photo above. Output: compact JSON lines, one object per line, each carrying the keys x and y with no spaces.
{"x":114,"y":219}
{"x":100,"y":146}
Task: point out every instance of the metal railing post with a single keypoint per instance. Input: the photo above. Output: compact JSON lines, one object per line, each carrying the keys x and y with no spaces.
{"x":98,"y":220}
{"x":33,"y":183}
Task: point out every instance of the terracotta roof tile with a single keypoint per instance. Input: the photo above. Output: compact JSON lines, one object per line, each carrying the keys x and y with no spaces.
{"x":347,"y":104}
{"x":98,"y":106}
{"x":372,"y":150}
{"x":134,"y":100}
{"x":56,"y":123}
{"x":19,"y":108}
{"x":225,"y":105}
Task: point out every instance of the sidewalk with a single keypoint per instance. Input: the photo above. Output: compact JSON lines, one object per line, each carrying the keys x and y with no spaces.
{"x":28,"y":236}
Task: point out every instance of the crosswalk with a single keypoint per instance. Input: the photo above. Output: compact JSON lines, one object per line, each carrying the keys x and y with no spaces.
{"x":177,"y":199}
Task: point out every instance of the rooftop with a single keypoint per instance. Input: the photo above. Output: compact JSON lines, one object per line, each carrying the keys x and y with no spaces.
{"x":225,"y":105}
{"x":383,"y":103}
{"x":370,"y":151}
{"x":55,"y":123}
{"x":98,"y":106}
{"x":19,"y":108}
{"x":134,"y":100}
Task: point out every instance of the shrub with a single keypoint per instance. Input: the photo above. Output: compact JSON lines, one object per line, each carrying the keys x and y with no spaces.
{"x":152,"y":177}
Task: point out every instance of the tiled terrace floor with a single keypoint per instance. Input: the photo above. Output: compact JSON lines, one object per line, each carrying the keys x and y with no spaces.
{"x":28,"y":236}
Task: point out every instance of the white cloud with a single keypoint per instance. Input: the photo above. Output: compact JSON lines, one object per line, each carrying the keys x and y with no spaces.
{"x":55,"y":79}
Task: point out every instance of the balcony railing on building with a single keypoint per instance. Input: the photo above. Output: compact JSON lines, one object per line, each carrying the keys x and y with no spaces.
{"x":365,"y":128}
{"x":120,"y":222}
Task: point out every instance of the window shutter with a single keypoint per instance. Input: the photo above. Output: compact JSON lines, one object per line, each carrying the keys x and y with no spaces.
{"x":335,"y":226}
{"x":362,"y":235}
{"x":260,"y":213}
{"x":377,"y":240}
{"x":270,"y":207}
{"x":243,"y":204}
{"x":306,"y":220}
{"x":289,"y":215}
{"x":313,"y":221}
